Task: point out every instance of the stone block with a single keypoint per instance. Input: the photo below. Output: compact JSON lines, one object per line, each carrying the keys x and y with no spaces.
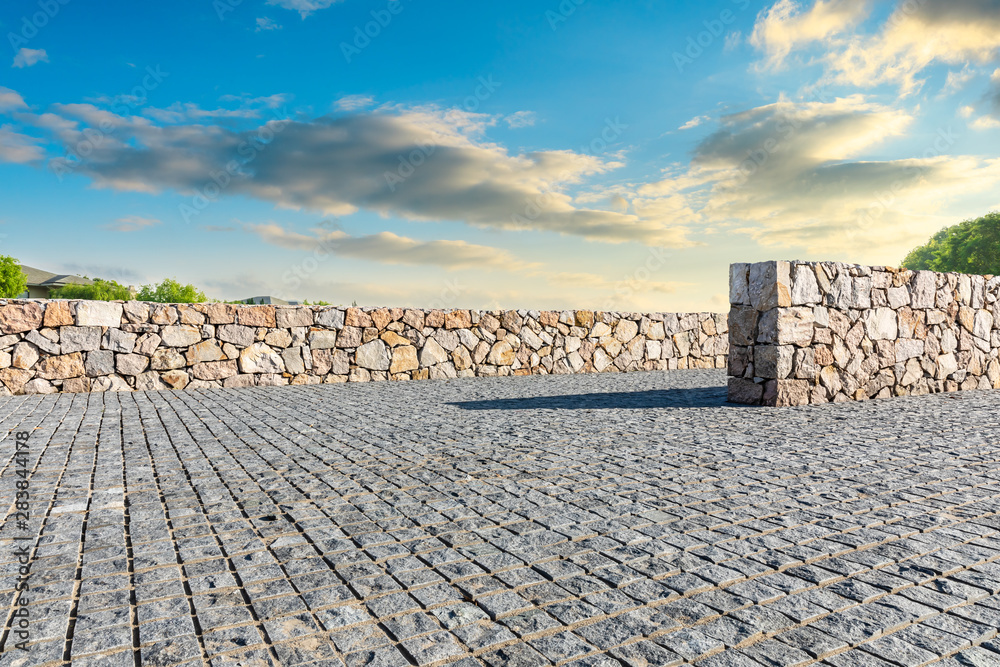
{"x":20,"y":317}
{"x":923,"y":289}
{"x":791,"y":393}
{"x":332,"y":318}
{"x":215,"y":370}
{"x":236,"y":334}
{"x":881,"y":324}
{"x":770,"y":285}
{"x":293,"y":316}
{"x":743,"y":325}
{"x":117,"y":340}
{"x":256,"y":316}
{"x":99,"y":314}
{"x":805,"y":288}
{"x":745,"y":391}
{"x":180,"y":336}
{"x":60,"y":367}
{"x":739,"y":286}
{"x":260,"y":358}
{"x":131,"y":364}
{"x":99,"y":362}
{"x":773,"y":361}
{"x":786,"y":326}
{"x":404,"y":359}
{"x":58,"y":314}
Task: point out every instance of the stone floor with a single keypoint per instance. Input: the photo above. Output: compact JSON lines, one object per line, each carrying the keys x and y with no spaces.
{"x":612,"y":520}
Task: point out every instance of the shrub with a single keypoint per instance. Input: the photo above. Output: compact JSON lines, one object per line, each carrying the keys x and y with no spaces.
{"x":972,"y":246}
{"x":101,"y":290}
{"x":171,"y":291}
{"x":13,"y":282}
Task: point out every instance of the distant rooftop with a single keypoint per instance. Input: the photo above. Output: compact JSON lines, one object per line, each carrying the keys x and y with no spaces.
{"x":273,"y":300}
{"x":40,"y":278}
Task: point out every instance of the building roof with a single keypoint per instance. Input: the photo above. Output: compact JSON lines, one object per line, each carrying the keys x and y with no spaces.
{"x":273,"y":300}
{"x":40,"y":278}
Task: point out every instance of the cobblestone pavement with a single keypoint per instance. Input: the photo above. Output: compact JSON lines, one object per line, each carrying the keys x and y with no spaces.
{"x":589,"y":520}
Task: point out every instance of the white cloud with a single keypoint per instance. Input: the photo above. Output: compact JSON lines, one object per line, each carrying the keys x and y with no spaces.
{"x":28,"y":57}
{"x":956,"y":81}
{"x":131,"y":223}
{"x":985,"y":123}
{"x":988,"y":106}
{"x":18,"y":148}
{"x":303,"y":7}
{"x":786,"y":26}
{"x":421,"y":163}
{"x":354,"y":102}
{"x":733,"y":41}
{"x":11,"y":100}
{"x":389,"y":248}
{"x":520,"y":119}
{"x":795,"y":175}
{"x":265,"y":102}
{"x":915,"y":36}
{"x":265,"y":23}
{"x":180,"y":112}
{"x":694,"y":122}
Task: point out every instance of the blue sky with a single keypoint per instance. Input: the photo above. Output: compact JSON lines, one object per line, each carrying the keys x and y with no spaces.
{"x":612,"y":155}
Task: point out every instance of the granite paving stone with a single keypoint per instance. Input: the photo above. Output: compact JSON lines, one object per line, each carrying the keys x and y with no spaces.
{"x":622,"y":520}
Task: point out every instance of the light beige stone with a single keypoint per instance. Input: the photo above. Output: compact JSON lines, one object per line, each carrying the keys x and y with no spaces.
{"x":15,"y":378}
{"x":214,"y":370}
{"x":326,"y":339}
{"x":131,"y":364}
{"x":404,"y":359}
{"x":260,"y":358}
{"x":24,"y":356}
{"x":786,"y":326}
{"x":293,"y":316}
{"x":770,"y":285}
{"x":149,"y":381}
{"x":432,"y":353}
{"x":175,"y":379}
{"x":167,"y":358}
{"x":501,"y":354}
{"x":278,"y":337}
{"x":207,"y":350}
{"x":180,"y":336}
{"x":163,"y":315}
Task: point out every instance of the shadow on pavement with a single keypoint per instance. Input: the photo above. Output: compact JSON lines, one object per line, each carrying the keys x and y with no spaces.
{"x":700,"y":397}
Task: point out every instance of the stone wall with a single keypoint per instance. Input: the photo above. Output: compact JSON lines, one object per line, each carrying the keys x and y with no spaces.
{"x":74,"y":346}
{"x":819,"y":332}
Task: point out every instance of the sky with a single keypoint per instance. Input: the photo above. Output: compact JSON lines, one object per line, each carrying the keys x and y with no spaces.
{"x":550,"y":154}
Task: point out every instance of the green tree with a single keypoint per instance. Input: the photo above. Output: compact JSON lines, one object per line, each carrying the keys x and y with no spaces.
{"x":101,"y":290}
{"x":972,"y":246}
{"x":171,"y":291}
{"x":13,"y":282}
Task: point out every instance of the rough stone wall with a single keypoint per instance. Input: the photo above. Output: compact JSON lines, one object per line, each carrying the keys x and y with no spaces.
{"x":77,"y":346}
{"x":824,"y":332}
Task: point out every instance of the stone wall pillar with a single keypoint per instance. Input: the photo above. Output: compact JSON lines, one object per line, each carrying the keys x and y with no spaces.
{"x":820,"y":332}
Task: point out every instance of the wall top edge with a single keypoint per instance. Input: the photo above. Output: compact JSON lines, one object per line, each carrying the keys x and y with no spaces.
{"x":369,"y":309}
{"x":862,"y":267}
